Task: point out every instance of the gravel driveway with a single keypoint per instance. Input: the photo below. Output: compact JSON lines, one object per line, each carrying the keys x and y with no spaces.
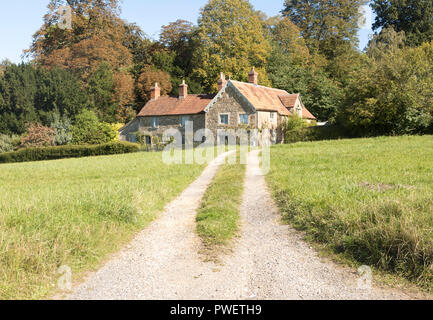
{"x":269,"y":260}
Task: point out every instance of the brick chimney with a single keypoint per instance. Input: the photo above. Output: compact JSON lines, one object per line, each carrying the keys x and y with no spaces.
{"x":183,"y":90}
{"x":155,"y":92}
{"x":253,"y":77}
{"x":221,"y":82}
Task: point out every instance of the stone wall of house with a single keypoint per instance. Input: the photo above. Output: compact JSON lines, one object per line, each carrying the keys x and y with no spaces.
{"x":132,"y":127}
{"x":229,"y":103}
{"x":170,"y":122}
{"x":145,"y":125}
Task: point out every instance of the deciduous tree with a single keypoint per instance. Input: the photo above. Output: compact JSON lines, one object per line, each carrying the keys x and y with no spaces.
{"x":148,"y":77}
{"x":231,"y":40}
{"x":414,"y":17}
{"x":391,"y":93}
{"x":325,"y":25}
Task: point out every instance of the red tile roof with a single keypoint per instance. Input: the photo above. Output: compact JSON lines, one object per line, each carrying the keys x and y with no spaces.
{"x":167,"y":105}
{"x":289,"y":100}
{"x":307,"y":114}
{"x":262,"y":98}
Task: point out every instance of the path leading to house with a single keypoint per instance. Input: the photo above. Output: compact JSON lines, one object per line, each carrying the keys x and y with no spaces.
{"x":269,"y":260}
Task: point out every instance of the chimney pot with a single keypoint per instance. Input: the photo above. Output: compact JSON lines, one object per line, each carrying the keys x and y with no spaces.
{"x":183,"y":90}
{"x":253,"y":77}
{"x":221,"y":82}
{"x":155,"y":92}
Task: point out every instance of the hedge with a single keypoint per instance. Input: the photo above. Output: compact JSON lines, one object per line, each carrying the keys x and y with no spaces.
{"x":332,"y":132}
{"x":68,"y":151}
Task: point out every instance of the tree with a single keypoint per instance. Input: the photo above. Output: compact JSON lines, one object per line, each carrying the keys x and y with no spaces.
{"x":37,"y":136}
{"x":98,"y":36}
{"x":148,"y":77}
{"x":124,"y":97}
{"x":321,"y":95}
{"x":31,"y":94}
{"x":391,"y":93}
{"x":287,"y":36}
{"x":326,"y":25}
{"x":231,"y":40}
{"x":3,"y":65}
{"x":62,"y":130}
{"x":88,"y":130}
{"x":414,"y":17}
{"x":100,"y":89}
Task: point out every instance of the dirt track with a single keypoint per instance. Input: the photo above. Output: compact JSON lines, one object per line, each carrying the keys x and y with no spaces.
{"x":269,"y":260}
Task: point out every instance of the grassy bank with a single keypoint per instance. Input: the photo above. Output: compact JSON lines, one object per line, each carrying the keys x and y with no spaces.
{"x":369,"y":199}
{"x":75,"y":212}
{"x":218,"y":217}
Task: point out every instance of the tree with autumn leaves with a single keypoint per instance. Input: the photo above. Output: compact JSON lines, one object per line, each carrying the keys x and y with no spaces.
{"x":93,"y":49}
{"x":106,"y":65}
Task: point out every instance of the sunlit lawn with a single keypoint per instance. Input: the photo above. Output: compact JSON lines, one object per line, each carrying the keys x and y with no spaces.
{"x":371,"y":199}
{"x":76,"y":212}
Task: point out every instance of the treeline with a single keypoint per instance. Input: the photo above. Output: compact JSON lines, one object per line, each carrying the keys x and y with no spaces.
{"x":108,"y":65}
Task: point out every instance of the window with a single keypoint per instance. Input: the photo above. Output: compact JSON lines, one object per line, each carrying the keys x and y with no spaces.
{"x":148,"y":140}
{"x":155,"y":122}
{"x":243,"y":119}
{"x":224,"y":119}
{"x":184,"y":120}
{"x":272,"y":116}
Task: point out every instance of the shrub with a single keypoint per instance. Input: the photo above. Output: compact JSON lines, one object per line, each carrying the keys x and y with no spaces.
{"x":62,"y":129}
{"x":37,"y":136}
{"x":8,"y":143}
{"x":116,"y":127}
{"x":295,"y":129}
{"x":69,"y":151}
{"x":88,"y":130}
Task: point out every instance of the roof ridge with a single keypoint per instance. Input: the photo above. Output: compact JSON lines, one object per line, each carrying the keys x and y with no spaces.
{"x":259,"y":86}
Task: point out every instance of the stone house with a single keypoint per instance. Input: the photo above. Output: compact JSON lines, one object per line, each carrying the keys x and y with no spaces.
{"x":236,"y":105}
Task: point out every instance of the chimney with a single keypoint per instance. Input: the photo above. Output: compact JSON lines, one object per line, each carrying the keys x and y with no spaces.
{"x":155,"y":92}
{"x":253,"y":77}
{"x":221,"y":82}
{"x":183,"y":90}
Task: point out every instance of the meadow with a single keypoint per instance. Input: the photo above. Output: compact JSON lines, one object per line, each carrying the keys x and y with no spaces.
{"x":76,"y":212}
{"x":368,"y":200}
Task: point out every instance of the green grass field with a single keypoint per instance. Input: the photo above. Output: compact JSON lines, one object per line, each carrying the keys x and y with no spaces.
{"x":218,"y":217}
{"x":76,"y":212}
{"x":368,"y":199}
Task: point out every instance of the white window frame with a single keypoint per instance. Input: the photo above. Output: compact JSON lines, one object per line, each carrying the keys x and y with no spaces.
{"x":182,"y":122}
{"x":155,"y":122}
{"x":272,"y":116}
{"x":244,"y":114}
{"x":228,"y":119}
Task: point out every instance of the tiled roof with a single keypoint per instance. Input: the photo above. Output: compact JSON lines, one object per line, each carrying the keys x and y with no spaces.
{"x":262,"y":98}
{"x":167,"y":105}
{"x":289,"y":100}
{"x":307,"y":114}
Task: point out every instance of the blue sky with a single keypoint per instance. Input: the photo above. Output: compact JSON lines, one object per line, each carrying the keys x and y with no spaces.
{"x":20,"y":19}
